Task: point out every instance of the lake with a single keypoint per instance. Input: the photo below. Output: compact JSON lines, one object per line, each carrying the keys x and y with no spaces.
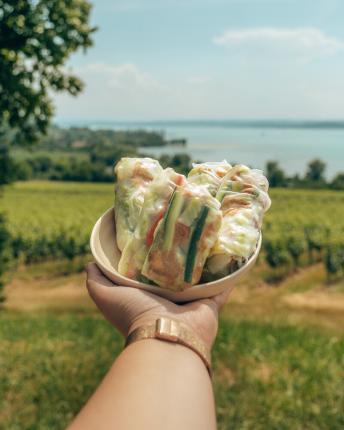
{"x":292,"y":143}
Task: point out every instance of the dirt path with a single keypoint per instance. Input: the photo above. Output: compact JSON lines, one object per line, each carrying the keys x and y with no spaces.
{"x":303,"y":298}
{"x":63,"y":292}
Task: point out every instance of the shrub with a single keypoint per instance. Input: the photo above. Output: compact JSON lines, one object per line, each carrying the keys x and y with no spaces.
{"x":4,"y":258}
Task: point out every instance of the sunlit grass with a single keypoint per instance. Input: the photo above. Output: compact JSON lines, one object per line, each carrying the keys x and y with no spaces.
{"x":278,"y":377}
{"x":267,"y":376}
{"x":278,"y":359}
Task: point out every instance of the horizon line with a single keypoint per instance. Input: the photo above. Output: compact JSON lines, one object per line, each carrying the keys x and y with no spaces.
{"x":234,"y":122}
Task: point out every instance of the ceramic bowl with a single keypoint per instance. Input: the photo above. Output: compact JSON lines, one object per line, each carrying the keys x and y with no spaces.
{"x":106,"y":255}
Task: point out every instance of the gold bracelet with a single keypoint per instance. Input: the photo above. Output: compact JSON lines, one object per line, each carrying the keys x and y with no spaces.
{"x":172,"y":331}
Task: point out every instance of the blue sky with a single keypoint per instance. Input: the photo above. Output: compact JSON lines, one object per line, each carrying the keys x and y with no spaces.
{"x":171,"y":59}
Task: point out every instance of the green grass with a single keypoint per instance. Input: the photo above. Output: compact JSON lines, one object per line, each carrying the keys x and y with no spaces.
{"x":266,"y":376}
{"x":274,"y":367}
{"x":278,"y":377}
{"x":50,"y":364}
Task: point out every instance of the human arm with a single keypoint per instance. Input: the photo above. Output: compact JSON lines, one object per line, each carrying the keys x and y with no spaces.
{"x":152,"y":384}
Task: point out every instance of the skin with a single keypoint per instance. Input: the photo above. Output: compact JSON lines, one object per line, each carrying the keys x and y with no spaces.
{"x":152,"y":384}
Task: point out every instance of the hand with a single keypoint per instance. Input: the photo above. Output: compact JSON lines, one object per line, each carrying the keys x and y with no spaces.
{"x":127,"y":308}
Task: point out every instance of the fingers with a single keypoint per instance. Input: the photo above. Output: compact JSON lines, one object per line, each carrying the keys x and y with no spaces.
{"x":215,"y":303}
{"x":90,"y":266}
{"x":92,"y":270}
{"x":97,"y":285}
{"x":221,"y":299}
{"x":95,"y":275}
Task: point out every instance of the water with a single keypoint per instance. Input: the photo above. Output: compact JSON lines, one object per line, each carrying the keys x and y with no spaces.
{"x":292,"y":144}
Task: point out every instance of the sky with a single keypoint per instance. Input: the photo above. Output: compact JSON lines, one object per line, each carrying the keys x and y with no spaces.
{"x":216,"y":59}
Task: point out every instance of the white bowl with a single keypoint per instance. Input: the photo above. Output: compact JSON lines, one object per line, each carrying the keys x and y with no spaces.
{"x":106,"y":254}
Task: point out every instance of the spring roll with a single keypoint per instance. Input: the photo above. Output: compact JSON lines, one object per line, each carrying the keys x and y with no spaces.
{"x":156,"y":201}
{"x":134,"y":176}
{"x":244,"y":199}
{"x":209,"y":175}
{"x":183,"y":238}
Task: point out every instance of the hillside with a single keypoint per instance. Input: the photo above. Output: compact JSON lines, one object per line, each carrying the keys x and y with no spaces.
{"x":278,"y":355}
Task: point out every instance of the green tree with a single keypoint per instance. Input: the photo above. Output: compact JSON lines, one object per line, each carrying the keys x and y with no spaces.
{"x":181,"y":162}
{"x":6,"y":165}
{"x":4,"y":240}
{"x":5,"y":176}
{"x":36,"y":39}
{"x":338,"y":182}
{"x":315,"y":171}
{"x":275,"y":174}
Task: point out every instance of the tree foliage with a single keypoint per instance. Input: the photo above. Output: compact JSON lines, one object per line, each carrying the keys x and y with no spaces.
{"x":338,"y":182}
{"x":275,"y":174}
{"x":4,"y":241}
{"x":315,"y":171}
{"x":36,"y":39}
{"x":6,"y":165}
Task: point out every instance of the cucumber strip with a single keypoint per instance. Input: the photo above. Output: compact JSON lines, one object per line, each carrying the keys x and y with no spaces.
{"x":172,"y":215}
{"x":223,"y":190}
{"x":142,"y":278}
{"x":192,"y":251}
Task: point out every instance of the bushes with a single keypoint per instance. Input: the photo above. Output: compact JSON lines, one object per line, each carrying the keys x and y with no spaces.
{"x":97,"y":167}
{"x":182,"y":163}
{"x":4,"y":256}
{"x":84,"y":155}
{"x":296,"y":246}
{"x":62,"y":244}
{"x":334,"y":259}
{"x":63,"y":169}
{"x":307,"y":225}
{"x":317,"y":238}
{"x":276,"y":253}
{"x":54,"y":220}
{"x":320,"y":242}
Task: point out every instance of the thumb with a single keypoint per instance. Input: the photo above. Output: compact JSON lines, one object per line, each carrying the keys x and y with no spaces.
{"x":221,"y":299}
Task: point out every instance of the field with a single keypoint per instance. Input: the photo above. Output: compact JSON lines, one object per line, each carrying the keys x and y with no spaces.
{"x":43,"y":208}
{"x":50,"y":219}
{"x":54,"y":220}
{"x":278,"y":359}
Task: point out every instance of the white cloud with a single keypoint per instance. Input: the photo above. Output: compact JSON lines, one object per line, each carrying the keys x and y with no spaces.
{"x":119,"y":76}
{"x":305,"y":41}
{"x":118,"y":91}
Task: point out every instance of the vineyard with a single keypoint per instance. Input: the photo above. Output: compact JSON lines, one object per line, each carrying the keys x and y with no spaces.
{"x":304,"y":227}
{"x":54,"y":220}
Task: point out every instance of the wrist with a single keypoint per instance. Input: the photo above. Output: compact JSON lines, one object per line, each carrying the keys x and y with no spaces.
{"x":142,"y":321}
{"x":172,"y":331}
{"x":206,"y":337}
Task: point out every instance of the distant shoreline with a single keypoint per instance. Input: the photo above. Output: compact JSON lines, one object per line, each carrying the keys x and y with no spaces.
{"x":221,"y":123}
{"x":293,"y":143}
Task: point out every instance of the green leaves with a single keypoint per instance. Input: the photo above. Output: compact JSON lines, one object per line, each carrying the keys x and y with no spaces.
{"x":4,"y":242}
{"x":6,"y":165}
{"x":36,"y":39}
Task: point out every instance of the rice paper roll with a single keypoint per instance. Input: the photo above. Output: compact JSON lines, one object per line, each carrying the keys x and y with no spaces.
{"x":183,"y":238}
{"x":156,"y":201}
{"x":244,"y":199}
{"x":209,"y":175}
{"x":134,"y":175}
